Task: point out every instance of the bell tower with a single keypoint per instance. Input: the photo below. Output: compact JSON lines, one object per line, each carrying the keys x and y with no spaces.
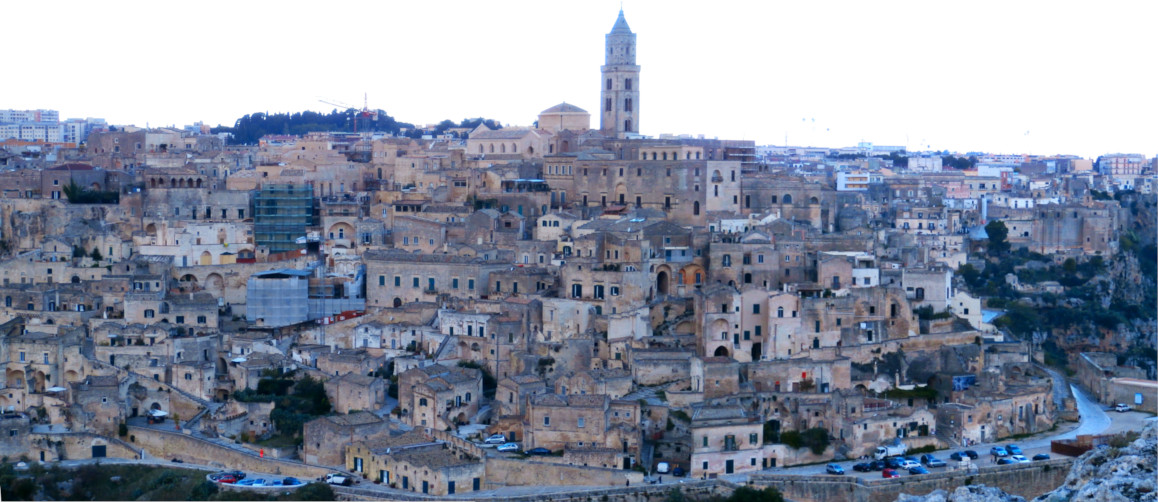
{"x":619,"y":87}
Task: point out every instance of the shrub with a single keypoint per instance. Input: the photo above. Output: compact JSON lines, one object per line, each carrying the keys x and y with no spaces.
{"x":815,"y":439}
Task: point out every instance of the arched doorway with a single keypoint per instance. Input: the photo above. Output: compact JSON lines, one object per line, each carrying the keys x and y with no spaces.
{"x":756,"y":351}
{"x":661,"y":280}
{"x":721,"y":351}
{"x":397,"y":302}
{"x":206,"y":258}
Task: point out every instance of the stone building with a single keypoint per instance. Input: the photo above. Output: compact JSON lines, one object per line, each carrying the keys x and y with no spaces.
{"x":560,"y":422}
{"x":324,"y":439}
{"x":726,"y":440}
{"x":353,"y":392}
{"x":438,"y":396}
{"x":414,"y":461}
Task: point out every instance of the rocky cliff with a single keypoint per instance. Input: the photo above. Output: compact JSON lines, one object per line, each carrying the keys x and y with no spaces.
{"x":1108,"y":473}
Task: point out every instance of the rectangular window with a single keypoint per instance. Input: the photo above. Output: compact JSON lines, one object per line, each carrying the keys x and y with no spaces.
{"x":755,"y":308}
{"x":582,"y":422}
{"x":381,"y":280}
{"x":397,"y":281}
{"x":454,"y":283}
{"x":705,"y":441}
{"x":470,"y":284}
{"x":415,"y":283}
{"x":546,"y":420}
{"x":180,"y":319}
{"x":200,"y":319}
{"x":21,"y":357}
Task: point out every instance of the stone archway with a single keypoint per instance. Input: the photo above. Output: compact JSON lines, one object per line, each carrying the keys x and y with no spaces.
{"x":721,"y":351}
{"x":214,"y":283}
{"x":397,"y":302}
{"x":661,"y":282}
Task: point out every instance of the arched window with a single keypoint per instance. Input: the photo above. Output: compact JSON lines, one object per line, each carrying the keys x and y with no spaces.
{"x":503,"y":148}
{"x":787,"y":198}
{"x":480,"y":150}
{"x":609,"y":84}
{"x":696,"y":208}
{"x":492,"y":148}
{"x":627,"y":125}
{"x":7,"y":301}
{"x":514,"y":148}
{"x":627,"y":105}
{"x":627,"y":84}
{"x":607,"y":105}
{"x":780,"y":312}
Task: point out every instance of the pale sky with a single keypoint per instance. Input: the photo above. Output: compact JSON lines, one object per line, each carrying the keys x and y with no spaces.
{"x":1003,"y":76}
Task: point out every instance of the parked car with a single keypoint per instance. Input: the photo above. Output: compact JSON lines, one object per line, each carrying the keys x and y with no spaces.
{"x":930,"y":461}
{"x":958,"y":456}
{"x":291,"y":482}
{"x":998,"y":451}
{"x":893,"y":462}
{"x":496,"y":439}
{"x":863,"y":467}
{"x":538,"y":451}
{"x":918,"y":470}
{"x":1005,"y":461}
{"x":909,"y":464}
{"x":237,"y":474}
{"x":178,"y":461}
{"x":259,"y":482}
{"x":890,"y":473}
{"x":227,"y":479}
{"x":508,"y":447}
{"x":1041,"y":456}
{"x":246,"y":482}
{"x":1020,"y":459}
{"x":877,"y":465}
{"x":1013,"y":449}
{"x":1122,"y":408}
{"x":678,"y":472}
{"x":972,"y":454}
{"x":834,"y":469}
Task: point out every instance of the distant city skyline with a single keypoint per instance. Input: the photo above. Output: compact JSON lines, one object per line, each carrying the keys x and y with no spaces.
{"x":1028,"y":77}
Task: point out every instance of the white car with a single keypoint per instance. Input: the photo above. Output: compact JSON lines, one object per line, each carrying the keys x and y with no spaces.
{"x":496,"y":439}
{"x":508,"y":447}
{"x":1122,"y":408}
{"x":909,"y":464}
{"x":1020,"y":459}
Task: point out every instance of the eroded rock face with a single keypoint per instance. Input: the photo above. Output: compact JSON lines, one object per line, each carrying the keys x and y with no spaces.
{"x":975,"y":493}
{"x":1113,"y":474}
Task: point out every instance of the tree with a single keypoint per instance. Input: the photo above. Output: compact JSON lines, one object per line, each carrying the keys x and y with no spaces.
{"x":96,"y":255}
{"x":78,"y":252}
{"x":997,"y":232}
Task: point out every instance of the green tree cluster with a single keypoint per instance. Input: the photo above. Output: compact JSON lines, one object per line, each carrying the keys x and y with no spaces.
{"x":815,"y":439}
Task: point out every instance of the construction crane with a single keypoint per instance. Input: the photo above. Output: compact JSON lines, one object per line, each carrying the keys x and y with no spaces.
{"x":365,"y":113}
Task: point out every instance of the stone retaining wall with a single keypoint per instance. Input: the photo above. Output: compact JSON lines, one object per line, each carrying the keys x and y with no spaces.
{"x":1027,"y":480}
{"x":164,"y":444}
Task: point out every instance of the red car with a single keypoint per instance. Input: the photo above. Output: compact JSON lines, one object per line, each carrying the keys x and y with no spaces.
{"x":890,"y":473}
{"x":228,"y":479}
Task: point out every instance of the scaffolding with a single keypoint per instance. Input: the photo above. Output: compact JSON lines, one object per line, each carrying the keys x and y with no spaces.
{"x":281,"y":215}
